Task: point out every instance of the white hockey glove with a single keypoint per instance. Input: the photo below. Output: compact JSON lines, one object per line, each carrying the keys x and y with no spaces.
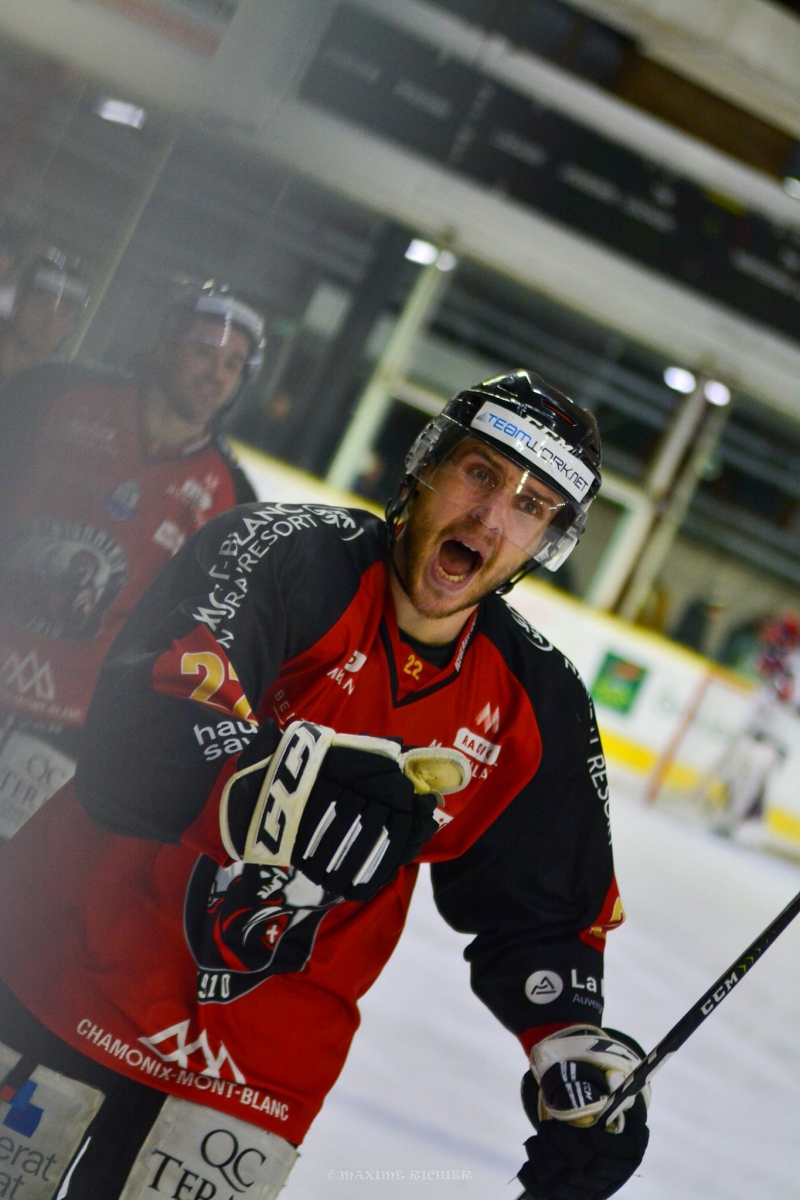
{"x":576,"y":1070}
{"x":345,"y":809}
{"x":575,"y":1154}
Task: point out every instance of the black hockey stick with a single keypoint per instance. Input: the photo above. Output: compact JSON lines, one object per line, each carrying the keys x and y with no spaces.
{"x":696,"y":1015}
{"x":698,"y":1012}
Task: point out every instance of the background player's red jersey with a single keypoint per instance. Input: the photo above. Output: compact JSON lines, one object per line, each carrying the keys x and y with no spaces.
{"x":90,"y":520}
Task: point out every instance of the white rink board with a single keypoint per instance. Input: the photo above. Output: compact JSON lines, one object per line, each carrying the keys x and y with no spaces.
{"x":635,"y":739}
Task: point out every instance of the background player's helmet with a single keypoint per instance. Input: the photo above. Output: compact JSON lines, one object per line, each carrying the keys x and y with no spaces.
{"x":784,"y":631}
{"x":55,"y":272}
{"x":218,"y":302}
{"x":537,"y":428}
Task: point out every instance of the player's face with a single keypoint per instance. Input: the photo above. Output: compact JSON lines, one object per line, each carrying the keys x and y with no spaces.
{"x":203,"y":370}
{"x":42,"y":320}
{"x":456,"y":545}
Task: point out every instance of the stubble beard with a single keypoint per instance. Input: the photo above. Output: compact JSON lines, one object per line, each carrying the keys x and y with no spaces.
{"x":419,"y":542}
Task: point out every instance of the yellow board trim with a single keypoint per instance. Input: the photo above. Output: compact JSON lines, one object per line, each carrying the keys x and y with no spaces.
{"x":629,"y":754}
{"x":636,"y":757}
{"x":783,"y":824}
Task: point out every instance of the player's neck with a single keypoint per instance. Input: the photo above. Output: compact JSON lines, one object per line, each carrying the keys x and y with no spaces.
{"x":165,"y":431}
{"x":432,"y":631}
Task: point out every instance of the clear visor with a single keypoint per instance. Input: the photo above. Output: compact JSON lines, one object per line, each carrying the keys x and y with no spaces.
{"x":505,"y":498}
{"x":216,"y":334}
{"x":212,"y":332}
{"x":61,"y":286}
{"x":223,"y":314}
{"x":233,"y":312}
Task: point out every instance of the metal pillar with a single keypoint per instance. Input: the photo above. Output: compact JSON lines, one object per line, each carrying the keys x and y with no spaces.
{"x":322,"y":407}
{"x":664,"y":535}
{"x":633,"y":528}
{"x":370,"y":412}
{"x":620,"y":554}
{"x":102,"y":286}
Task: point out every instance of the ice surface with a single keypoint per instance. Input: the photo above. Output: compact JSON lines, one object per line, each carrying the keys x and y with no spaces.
{"x":431,"y":1084}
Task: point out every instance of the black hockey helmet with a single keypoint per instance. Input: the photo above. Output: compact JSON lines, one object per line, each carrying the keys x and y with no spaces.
{"x":56,"y":272}
{"x":537,"y":428}
{"x":217,"y":301}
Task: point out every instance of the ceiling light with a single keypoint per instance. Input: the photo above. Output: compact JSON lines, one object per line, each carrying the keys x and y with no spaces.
{"x":121,"y":113}
{"x":421,"y":252}
{"x":680,"y":380}
{"x":446,"y":260}
{"x":716,"y":393}
{"x":792,"y":186}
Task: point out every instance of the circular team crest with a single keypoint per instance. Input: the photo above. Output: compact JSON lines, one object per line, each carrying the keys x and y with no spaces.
{"x":245,"y":923}
{"x":60,"y":577}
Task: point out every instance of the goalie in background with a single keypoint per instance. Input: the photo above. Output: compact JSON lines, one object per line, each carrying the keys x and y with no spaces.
{"x":759,"y":749}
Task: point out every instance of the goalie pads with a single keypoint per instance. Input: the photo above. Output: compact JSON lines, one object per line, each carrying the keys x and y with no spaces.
{"x":345,"y":809}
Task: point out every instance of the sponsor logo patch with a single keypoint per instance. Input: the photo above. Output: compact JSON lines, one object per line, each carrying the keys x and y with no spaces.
{"x":43,"y":1118}
{"x":122,"y":503}
{"x":196,"y":1153}
{"x":169,"y":536}
{"x":542,"y":987}
{"x":489,"y":719}
{"x":477,"y":746}
{"x":26,"y":673}
{"x":355,"y":662}
{"x":538,"y":446}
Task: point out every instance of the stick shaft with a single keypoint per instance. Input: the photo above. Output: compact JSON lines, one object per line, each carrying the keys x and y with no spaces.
{"x":703,"y":1008}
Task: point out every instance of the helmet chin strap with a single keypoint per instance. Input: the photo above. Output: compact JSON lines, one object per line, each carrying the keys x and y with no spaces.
{"x":396,"y":572}
{"x":506,"y":587}
{"x":393,"y":515}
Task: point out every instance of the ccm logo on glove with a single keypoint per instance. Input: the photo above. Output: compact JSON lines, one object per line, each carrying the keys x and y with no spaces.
{"x":347,"y":810}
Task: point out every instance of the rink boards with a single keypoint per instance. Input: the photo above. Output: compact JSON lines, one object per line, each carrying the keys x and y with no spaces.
{"x":667,"y":715}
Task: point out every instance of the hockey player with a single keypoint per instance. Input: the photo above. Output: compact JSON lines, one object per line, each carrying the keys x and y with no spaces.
{"x":48,"y":301}
{"x":758,"y":749}
{"x":307,"y":704}
{"x":103,"y":477}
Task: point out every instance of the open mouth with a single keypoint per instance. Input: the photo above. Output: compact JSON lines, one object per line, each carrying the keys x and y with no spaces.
{"x":457,"y":561}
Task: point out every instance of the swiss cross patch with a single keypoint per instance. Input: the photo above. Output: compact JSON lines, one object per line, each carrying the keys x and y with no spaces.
{"x":197,"y":668}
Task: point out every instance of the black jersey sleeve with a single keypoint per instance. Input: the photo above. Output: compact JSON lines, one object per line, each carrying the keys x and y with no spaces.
{"x":177,"y":694}
{"x":537,"y":888}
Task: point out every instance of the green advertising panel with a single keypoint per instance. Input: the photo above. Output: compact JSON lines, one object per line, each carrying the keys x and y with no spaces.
{"x":617,"y":683}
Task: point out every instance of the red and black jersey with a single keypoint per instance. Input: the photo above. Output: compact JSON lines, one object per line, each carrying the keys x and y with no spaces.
{"x":130,"y":933}
{"x":89,"y":518}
